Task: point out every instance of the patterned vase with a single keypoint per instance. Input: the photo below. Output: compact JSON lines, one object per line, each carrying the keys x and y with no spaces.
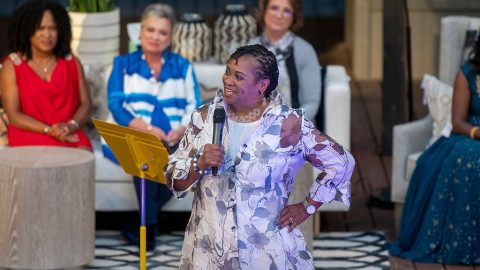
{"x":232,"y":29}
{"x":192,"y":38}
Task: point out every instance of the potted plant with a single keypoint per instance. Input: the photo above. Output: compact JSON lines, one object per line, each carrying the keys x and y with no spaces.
{"x":95,"y":30}
{"x":91,"y":6}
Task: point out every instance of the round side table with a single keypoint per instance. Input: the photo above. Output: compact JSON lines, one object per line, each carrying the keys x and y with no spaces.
{"x":47,"y":207}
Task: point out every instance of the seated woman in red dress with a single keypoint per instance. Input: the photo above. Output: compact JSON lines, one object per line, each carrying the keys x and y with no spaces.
{"x":43,"y":87}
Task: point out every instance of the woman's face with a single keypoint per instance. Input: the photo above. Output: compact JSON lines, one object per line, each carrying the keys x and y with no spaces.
{"x":46,"y":36}
{"x":156,"y":35}
{"x":278,"y":16}
{"x":241,"y":86}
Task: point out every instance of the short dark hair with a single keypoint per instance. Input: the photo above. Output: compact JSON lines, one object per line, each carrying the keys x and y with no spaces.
{"x":267,"y":67}
{"x":297,"y":14}
{"x":27,"y":19}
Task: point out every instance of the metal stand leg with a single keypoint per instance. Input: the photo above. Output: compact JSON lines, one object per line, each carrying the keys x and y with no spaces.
{"x":143,"y":230}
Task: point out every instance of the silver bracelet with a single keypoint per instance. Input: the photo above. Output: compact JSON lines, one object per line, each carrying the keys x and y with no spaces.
{"x":75,"y":123}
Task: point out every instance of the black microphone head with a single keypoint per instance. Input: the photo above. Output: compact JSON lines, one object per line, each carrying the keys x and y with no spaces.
{"x":219,"y":115}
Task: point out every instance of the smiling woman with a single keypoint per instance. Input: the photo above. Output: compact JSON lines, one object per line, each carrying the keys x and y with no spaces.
{"x":299,"y":79}
{"x":153,"y":90}
{"x":44,"y":92}
{"x":240,"y":216}
{"x":244,"y":90}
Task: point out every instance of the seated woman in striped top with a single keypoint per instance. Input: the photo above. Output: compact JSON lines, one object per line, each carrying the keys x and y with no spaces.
{"x":153,"y":90}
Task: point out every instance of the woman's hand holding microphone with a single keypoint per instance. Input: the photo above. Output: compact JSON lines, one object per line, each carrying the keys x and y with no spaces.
{"x":212,"y":156}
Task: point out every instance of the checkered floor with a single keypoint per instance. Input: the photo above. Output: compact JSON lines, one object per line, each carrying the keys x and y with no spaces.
{"x":343,"y":250}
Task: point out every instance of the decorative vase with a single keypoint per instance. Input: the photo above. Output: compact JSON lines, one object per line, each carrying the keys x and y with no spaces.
{"x":234,"y":28}
{"x":96,"y":36}
{"x":192,"y":38}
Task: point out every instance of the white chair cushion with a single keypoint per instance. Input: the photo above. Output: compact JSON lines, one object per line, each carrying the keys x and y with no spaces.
{"x":452,"y":38}
{"x":439,"y":98}
{"x":411,"y":164}
{"x":105,"y":169}
{"x":209,"y":73}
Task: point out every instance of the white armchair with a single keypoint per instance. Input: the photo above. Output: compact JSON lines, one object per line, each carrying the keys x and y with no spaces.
{"x":411,"y":139}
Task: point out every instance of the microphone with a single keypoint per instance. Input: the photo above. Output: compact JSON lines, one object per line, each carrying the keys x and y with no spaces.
{"x":218,"y":122}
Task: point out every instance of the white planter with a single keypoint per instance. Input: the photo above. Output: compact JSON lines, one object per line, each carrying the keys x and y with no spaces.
{"x":96,"y":36}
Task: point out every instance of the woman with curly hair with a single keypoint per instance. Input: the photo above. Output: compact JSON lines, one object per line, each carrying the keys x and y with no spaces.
{"x":43,"y":86}
{"x":441,"y":216}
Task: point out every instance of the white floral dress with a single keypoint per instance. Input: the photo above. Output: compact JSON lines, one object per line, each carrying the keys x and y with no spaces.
{"x":234,"y":214}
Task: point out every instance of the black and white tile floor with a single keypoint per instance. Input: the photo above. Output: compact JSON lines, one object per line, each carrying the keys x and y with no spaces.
{"x":343,"y":250}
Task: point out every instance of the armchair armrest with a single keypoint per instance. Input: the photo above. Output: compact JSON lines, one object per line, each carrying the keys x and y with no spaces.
{"x":209,"y":73}
{"x":407,"y":139}
{"x":337,"y":117}
{"x":337,"y":104}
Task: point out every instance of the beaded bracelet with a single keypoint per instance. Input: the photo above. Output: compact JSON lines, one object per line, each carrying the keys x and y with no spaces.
{"x":47,"y":129}
{"x":195,"y":159}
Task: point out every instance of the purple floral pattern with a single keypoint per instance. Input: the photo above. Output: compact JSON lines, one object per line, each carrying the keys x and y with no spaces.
{"x":234,"y":214}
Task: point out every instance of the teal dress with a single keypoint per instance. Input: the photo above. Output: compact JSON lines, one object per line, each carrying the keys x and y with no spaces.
{"x":441,"y":215}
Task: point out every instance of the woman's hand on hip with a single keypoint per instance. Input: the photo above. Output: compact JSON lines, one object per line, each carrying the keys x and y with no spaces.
{"x":212,"y":156}
{"x":292,"y":216}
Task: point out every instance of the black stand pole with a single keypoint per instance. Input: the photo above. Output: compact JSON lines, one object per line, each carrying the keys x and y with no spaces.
{"x":409,"y":64}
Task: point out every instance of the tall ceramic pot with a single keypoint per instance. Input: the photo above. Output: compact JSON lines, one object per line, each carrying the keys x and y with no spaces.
{"x":96,"y":36}
{"x":235,"y":27}
{"x":192,"y":38}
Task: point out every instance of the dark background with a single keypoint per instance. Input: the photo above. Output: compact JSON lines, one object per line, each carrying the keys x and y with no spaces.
{"x":323,"y":23}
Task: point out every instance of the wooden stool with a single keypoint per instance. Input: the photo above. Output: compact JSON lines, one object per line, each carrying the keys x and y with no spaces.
{"x":47,"y":207}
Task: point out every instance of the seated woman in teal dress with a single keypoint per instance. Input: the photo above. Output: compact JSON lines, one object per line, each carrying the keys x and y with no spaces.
{"x":441,"y":216}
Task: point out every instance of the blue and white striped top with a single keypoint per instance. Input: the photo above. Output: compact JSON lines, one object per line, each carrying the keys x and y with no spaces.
{"x":134,"y":93}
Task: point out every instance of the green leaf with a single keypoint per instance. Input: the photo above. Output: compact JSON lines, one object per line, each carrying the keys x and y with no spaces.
{"x":92,"y":6}
{"x":106,"y":5}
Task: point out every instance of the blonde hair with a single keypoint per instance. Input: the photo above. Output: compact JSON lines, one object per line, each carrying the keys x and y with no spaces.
{"x":159,"y":11}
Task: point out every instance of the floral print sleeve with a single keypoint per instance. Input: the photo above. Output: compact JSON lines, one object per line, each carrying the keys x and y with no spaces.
{"x":335,"y":163}
{"x":234,"y":214}
{"x":178,"y":167}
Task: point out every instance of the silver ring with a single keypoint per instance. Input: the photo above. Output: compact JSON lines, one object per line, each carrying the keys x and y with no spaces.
{"x":291,"y":221}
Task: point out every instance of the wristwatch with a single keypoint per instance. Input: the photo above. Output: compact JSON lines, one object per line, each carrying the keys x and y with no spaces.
{"x":309,"y":207}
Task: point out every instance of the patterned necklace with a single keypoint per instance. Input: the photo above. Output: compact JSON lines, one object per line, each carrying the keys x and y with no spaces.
{"x":252,"y":116}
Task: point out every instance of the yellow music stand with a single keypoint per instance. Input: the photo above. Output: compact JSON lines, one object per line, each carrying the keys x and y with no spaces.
{"x":140,"y":154}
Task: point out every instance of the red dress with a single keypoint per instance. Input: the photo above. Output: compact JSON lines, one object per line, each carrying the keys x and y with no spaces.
{"x":49,"y":102}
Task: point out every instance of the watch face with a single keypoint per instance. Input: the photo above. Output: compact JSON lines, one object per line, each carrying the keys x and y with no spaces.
{"x":310,"y":209}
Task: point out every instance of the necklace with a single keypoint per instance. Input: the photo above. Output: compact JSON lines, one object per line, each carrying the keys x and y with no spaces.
{"x":46,"y":67}
{"x":152,"y":71}
{"x":252,"y":116}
